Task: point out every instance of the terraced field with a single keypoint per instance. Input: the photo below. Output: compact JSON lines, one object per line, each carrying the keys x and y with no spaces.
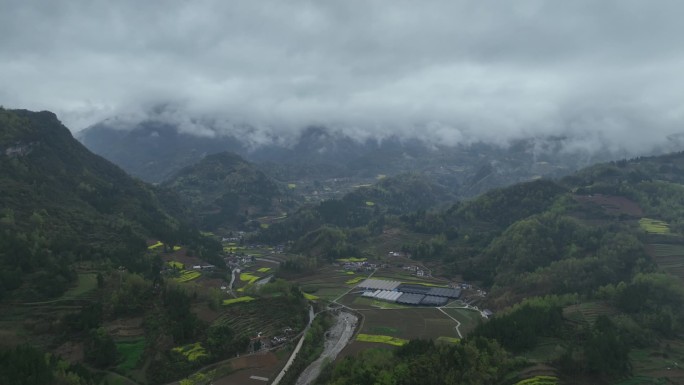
{"x":267,"y":315}
{"x":654,"y":226}
{"x":587,"y":312}
{"x":657,"y":365}
{"x":547,"y":349}
{"x":192,"y":352}
{"x":188,"y":275}
{"x":669,"y":258}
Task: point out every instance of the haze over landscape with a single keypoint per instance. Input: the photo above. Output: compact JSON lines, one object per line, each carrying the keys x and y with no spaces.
{"x":606,"y":74}
{"x":341,"y":193}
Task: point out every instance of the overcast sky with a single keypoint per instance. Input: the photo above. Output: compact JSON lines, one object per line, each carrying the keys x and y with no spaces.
{"x":450,"y":70}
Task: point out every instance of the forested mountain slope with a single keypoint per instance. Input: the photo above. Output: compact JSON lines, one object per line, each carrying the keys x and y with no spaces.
{"x":592,"y":262}
{"x":61,"y":203}
{"x":225,"y":190}
{"x":333,"y":226}
{"x":585,"y":273}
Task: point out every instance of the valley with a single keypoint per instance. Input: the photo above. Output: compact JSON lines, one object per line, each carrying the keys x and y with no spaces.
{"x":225,"y":274}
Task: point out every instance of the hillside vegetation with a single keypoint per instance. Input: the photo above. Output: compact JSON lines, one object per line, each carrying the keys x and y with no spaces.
{"x":225,"y":190}
{"x":591,"y":262}
{"x":585,"y":275}
{"x":61,"y":204}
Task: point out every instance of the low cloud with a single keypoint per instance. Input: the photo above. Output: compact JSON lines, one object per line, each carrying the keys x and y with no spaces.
{"x":607,"y":74}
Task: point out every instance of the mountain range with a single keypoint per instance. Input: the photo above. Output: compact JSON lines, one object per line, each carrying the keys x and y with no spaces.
{"x":155,"y":150}
{"x":584,"y":272}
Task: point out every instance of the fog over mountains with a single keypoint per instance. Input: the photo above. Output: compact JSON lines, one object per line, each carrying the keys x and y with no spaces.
{"x":606,"y":75}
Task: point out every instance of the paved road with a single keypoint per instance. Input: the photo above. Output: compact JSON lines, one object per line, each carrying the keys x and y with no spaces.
{"x":296,"y":349}
{"x":336,"y":339}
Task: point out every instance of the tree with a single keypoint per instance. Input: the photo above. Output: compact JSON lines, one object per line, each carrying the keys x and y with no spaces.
{"x":24,"y":365}
{"x":605,"y":350}
{"x":100,"y":349}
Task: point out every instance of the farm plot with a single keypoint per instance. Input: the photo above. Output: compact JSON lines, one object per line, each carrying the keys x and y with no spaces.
{"x":382,"y":339}
{"x":327,"y":284}
{"x":663,"y":361}
{"x":253,"y":275}
{"x":86,"y":284}
{"x":670,"y":258}
{"x":539,"y":380}
{"x":546,"y":350}
{"x":248,"y":277}
{"x":187,"y":275}
{"x":448,"y":340}
{"x":156,"y":245}
{"x":612,"y":205}
{"x":408,"y":277}
{"x":245,"y":368}
{"x":355,"y":347}
{"x":311,"y":297}
{"x":130,"y":351}
{"x":352,"y":259}
{"x":231,"y":301}
{"x":469,"y":319}
{"x":410,"y":323}
{"x":654,"y":226}
{"x":267,"y":315}
{"x":192,"y":352}
{"x":587,"y":311}
{"x":112,"y":378}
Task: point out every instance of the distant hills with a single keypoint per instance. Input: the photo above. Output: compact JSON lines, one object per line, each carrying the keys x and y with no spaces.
{"x":154,"y":151}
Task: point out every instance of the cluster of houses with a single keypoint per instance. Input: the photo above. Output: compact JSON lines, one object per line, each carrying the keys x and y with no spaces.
{"x":260,"y":341}
{"x":419,"y":272}
{"x":234,"y":260}
{"x":359,"y":266}
{"x":277,"y":340}
{"x":234,"y":237}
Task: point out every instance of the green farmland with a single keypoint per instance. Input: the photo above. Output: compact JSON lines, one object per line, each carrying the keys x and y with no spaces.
{"x":130,"y":351}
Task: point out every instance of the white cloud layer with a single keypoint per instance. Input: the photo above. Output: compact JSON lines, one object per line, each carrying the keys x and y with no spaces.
{"x":450,"y":71}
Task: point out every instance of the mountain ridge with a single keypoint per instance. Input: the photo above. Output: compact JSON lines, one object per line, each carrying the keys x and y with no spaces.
{"x":70,"y":203}
{"x":154,"y":150}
